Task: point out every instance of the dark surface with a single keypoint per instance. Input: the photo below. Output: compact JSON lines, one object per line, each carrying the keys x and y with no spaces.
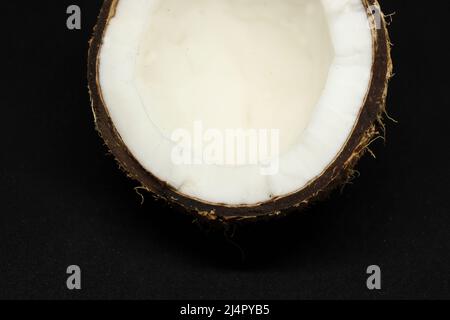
{"x":63,"y":201}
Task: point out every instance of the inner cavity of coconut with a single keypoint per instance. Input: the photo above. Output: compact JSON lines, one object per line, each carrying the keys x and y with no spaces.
{"x":236,"y":101}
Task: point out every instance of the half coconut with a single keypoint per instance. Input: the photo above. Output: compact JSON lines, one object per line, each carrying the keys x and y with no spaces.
{"x":239,"y":109}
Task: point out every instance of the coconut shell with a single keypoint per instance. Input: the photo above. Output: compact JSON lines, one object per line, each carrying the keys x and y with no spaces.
{"x":368,"y":127}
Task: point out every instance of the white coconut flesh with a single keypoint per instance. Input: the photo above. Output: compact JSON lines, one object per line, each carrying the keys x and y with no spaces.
{"x":299,"y":68}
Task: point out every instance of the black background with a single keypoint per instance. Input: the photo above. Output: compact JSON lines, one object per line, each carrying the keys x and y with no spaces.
{"x":63,"y":201}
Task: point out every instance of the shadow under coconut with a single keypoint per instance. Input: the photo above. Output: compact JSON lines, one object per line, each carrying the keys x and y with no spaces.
{"x":328,"y":231}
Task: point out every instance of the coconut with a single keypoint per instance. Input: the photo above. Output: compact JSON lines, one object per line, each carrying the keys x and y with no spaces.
{"x":239,"y":110}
